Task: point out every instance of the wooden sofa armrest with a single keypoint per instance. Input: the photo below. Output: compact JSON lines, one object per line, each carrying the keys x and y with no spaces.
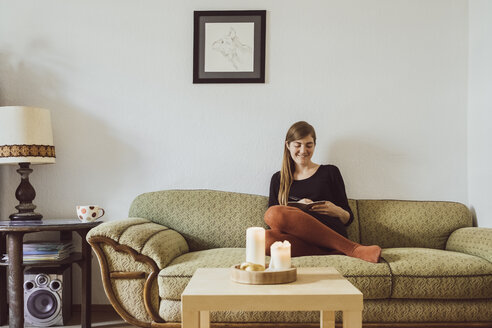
{"x":131,"y":252}
{"x":474,"y":241}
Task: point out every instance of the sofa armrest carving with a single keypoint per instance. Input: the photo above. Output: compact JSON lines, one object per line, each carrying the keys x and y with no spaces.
{"x":107,"y":276}
{"x":146,"y":248}
{"x":473,"y":241}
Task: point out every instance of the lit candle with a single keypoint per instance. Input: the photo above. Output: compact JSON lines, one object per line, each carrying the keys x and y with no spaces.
{"x":280,"y":255}
{"x":255,"y":245}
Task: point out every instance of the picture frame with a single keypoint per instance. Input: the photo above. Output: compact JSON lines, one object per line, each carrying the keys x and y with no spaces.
{"x":229,"y":46}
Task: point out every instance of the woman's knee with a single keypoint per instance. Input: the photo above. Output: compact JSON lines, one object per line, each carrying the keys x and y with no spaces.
{"x":275,"y":216}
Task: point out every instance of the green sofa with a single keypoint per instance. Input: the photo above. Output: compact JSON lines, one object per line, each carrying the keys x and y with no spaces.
{"x":435,"y":267}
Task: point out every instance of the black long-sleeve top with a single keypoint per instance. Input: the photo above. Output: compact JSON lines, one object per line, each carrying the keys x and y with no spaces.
{"x":325,"y":184}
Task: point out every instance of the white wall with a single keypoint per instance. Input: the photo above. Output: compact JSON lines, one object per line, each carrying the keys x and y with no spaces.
{"x":480,"y":111}
{"x":383,"y":82}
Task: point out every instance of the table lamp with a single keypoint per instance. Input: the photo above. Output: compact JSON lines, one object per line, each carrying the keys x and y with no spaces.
{"x":25,"y":138}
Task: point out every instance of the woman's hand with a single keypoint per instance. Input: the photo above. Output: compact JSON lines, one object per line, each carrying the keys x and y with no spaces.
{"x":328,"y":208}
{"x":305,"y":201}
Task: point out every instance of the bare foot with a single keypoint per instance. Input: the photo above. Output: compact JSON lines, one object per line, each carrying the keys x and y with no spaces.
{"x":367,"y":253}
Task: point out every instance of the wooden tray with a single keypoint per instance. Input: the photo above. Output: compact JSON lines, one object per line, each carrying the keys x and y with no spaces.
{"x":263,"y":277}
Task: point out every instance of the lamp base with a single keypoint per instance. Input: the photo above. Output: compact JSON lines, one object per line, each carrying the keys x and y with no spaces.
{"x":31,"y":216}
{"x":25,"y":194}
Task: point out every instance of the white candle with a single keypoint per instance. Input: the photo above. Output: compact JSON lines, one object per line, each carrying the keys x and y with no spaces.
{"x":280,"y":255}
{"x":255,"y":245}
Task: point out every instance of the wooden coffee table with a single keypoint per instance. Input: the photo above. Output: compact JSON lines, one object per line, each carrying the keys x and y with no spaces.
{"x":316,"y":289}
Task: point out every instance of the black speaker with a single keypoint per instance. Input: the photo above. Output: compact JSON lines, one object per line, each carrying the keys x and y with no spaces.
{"x":47,"y":296}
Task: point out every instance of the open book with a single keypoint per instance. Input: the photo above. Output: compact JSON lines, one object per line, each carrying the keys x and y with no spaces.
{"x":305,"y":207}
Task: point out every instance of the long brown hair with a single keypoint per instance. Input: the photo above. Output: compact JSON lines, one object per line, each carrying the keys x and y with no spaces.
{"x":297,"y":131}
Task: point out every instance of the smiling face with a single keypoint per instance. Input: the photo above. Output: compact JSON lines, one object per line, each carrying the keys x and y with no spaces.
{"x":301,"y":150}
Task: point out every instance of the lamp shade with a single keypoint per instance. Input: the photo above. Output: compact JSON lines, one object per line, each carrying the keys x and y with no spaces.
{"x":26,"y":135}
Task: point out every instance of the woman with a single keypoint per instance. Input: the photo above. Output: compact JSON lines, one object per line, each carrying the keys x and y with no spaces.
{"x":321,"y":229}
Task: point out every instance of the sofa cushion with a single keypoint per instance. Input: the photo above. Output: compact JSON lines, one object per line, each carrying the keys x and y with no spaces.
{"x":398,"y":223}
{"x":175,"y":277}
{"x":436,"y":274}
{"x":373,"y":280}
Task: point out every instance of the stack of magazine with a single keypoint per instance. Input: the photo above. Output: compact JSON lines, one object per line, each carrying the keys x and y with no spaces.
{"x":35,"y":251}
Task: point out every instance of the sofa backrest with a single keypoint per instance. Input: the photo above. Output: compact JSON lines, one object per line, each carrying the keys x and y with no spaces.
{"x":400,"y":223}
{"x":210,"y":219}
{"x":206,"y":218}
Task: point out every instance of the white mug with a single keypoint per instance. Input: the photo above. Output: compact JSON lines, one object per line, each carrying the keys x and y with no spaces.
{"x":89,"y":213}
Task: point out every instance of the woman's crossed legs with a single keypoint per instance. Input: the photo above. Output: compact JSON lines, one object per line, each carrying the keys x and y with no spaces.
{"x":308,"y":236}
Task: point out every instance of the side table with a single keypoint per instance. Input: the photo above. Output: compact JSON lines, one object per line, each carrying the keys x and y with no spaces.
{"x":11,"y":239}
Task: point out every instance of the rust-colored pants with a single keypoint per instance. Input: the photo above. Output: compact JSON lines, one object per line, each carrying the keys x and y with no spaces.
{"x":306,"y":234}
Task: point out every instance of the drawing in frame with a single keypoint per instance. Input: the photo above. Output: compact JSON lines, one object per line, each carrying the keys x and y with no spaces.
{"x":229,"y":46}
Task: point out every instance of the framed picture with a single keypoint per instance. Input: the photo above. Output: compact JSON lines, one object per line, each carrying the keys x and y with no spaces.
{"x":229,"y":46}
